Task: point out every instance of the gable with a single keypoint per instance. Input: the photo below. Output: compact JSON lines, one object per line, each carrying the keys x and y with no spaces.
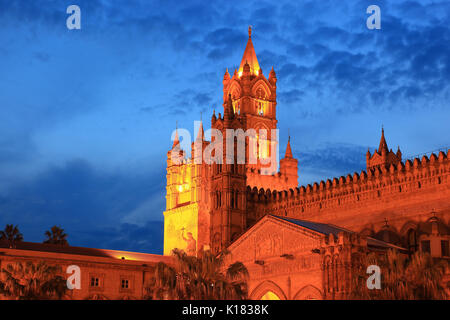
{"x":273,"y":237}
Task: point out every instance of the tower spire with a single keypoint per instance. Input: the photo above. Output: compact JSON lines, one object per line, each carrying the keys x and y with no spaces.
{"x":383,"y":144}
{"x":201,"y":132}
{"x":176,"y":141}
{"x":249,"y":56}
{"x":288,"y":153}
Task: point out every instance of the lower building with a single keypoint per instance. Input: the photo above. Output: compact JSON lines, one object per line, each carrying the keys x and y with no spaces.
{"x":104,"y":274}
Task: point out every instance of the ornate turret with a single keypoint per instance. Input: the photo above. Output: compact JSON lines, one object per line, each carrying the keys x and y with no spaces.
{"x":383,"y":145}
{"x":199,"y":145}
{"x":226,"y":76}
{"x":288,"y":153}
{"x":383,"y":157}
{"x":228,"y":112}
{"x":176,"y":141}
{"x":289,"y":167}
{"x":272,"y":77}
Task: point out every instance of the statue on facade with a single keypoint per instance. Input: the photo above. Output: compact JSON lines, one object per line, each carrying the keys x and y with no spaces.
{"x":191,"y":244}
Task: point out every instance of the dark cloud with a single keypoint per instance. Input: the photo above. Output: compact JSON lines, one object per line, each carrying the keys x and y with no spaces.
{"x":129,"y":237}
{"x":291,"y":96}
{"x":80,"y":197}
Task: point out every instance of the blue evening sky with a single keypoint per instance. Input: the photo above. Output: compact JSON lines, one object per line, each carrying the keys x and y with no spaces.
{"x":87,"y":115}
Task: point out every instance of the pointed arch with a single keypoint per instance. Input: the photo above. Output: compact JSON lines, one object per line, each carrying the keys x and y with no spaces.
{"x":265,"y":287}
{"x":235,"y":90}
{"x":308,"y":292}
{"x":407,"y":226}
{"x":261,"y":85}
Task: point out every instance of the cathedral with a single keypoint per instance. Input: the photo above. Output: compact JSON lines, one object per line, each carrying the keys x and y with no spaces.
{"x":299,"y":242}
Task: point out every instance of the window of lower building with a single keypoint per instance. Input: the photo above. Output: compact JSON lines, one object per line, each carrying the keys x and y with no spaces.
{"x":125,"y":284}
{"x":445,"y":248}
{"x":426,"y":246}
{"x":95,"y":282}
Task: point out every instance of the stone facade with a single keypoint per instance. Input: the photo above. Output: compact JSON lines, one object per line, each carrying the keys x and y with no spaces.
{"x":402,"y":203}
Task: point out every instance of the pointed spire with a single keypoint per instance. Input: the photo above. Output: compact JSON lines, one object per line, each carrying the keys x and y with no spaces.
{"x":288,"y":153}
{"x":399,"y":153}
{"x":226,"y":76}
{"x":176,"y":141}
{"x":228,"y":110}
{"x":383,"y":144}
{"x":201,"y":132}
{"x":272,"y":75}
{"x":249,"y":56}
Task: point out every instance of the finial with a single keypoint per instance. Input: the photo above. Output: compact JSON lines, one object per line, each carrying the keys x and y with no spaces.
{"x":249,"y":31}
{"x":200,"y":116}
{"x":289,"y":134}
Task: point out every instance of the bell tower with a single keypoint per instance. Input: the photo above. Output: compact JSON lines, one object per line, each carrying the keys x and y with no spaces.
{"x":253,"y":99}
{"x":228,"y":185}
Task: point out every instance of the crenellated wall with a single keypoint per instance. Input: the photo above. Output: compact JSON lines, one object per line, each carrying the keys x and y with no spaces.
{"x":401,"y":195}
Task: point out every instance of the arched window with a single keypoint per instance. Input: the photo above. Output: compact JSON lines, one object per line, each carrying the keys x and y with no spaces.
{"x":260,"y":108}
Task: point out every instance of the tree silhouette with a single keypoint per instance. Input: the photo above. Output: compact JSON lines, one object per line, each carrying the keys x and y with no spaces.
{"x":11,"y":234}
{"x":29,"y":281}
{"x":56,"y":235}
{"x":402,"y":278}
{"x":199,"y":278}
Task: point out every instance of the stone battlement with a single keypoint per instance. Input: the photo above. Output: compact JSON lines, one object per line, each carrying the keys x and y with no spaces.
{"x":375,"y":185}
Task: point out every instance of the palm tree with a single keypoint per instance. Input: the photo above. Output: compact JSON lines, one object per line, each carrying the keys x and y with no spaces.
{"x":199,"y":278}
{"x":425,"y":275}
{"x":11,"y":234}
{"x":29,"y":281}
{"x":419,"y":277}
{"x":56,"y":235}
